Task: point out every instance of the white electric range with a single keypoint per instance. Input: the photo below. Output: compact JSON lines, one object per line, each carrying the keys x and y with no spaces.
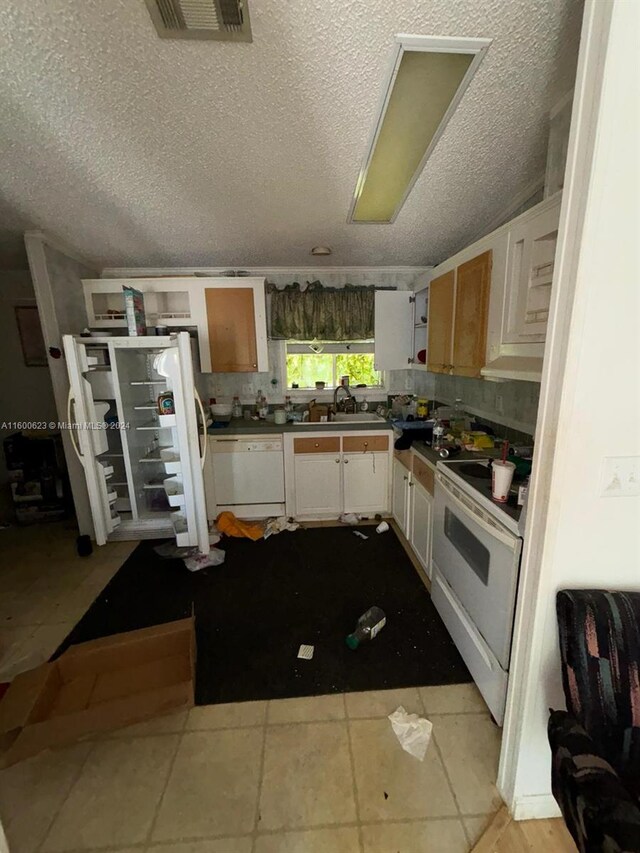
{"x":476,"y":562}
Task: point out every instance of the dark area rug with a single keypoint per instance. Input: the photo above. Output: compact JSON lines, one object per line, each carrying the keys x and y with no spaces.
{"x":253,"y":612}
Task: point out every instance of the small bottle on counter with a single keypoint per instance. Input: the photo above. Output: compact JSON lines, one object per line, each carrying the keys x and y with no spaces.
{"x":236,"y":409}
{"x":437,"y":440}
{"x":288,"y":406}
{"x":263,"y":406}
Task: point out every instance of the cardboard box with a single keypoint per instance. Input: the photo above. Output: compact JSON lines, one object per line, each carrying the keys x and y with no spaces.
{"x":98,"y":686}
{"x":317,"y":412}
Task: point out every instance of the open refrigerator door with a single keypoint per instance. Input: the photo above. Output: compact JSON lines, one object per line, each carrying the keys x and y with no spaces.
{"x":184,"y":490}
{"x":86,"y":413}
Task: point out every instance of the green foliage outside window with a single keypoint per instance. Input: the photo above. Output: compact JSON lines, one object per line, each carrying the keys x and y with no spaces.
{"x":305,"y":369}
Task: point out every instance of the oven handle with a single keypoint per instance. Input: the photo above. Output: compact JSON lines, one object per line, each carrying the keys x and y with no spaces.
{"x":506,"y":538}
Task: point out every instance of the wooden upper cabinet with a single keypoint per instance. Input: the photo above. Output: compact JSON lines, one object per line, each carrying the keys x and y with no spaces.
{"x":231,"y":325}
{"x":473,"y":282}
{"x":440,"y":326}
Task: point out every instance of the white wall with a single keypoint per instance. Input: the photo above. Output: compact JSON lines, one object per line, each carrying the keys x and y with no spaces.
{"x":590,"y":398}
{"x":26,"y":393}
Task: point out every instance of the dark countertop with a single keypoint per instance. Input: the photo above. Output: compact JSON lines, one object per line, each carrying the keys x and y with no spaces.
{"x":240,"y":426}
{"x":424,"y":450}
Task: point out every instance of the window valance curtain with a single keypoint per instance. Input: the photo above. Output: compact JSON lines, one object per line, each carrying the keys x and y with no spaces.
{"x":322,"y":313}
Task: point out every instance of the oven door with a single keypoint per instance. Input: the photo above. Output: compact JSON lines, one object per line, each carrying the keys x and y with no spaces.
{"x":480,"y":560}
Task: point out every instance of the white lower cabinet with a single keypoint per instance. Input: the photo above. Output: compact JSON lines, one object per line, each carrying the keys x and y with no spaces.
{"x":412,"y":506}
{"x":317,"y":483}
{"x":400,"y":482}
{"x":366,"y":482}
{"x":328,"y":473}
{"x":421,"y":504}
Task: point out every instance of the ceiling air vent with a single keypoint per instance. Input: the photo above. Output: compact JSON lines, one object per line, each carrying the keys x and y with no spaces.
{"x":221,"y":20}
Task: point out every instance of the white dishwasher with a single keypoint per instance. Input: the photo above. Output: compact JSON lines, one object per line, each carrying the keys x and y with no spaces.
{"x":248,"y":475}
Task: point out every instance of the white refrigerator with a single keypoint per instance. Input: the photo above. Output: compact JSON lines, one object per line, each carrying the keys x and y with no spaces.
{"x":143,"y":469}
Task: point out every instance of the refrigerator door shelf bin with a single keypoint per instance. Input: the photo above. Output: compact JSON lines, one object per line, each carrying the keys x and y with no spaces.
{"x":107,"y":469}
{"x":180,"y":528}
{"x":167,"y":420}
{"x":174,"y":489}
{"x":171,"y":459}
{"x":149,"y":382}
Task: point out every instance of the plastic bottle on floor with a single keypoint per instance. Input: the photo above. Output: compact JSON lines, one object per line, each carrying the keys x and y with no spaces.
{"x":369,"y":626}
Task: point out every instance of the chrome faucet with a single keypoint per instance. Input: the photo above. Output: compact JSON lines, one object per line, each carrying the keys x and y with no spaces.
{"x":348,"y":404}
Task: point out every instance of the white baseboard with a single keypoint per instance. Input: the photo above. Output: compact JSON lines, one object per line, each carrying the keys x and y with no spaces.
{"x":535,"y":807}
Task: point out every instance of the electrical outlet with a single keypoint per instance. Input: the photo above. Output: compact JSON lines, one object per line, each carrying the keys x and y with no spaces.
{"x":620,"y":477}
{"x":499,"y":404}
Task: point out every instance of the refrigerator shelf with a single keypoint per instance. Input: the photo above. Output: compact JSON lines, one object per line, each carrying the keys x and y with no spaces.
{"x":152,"y":408}
{"x":149,"y":382}
{"x":154,"y":484}
{"x":111,"y":455}
{"x":152,"y":456}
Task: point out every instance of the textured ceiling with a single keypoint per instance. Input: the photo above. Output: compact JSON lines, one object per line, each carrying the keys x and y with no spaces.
{"x":138,"y":151}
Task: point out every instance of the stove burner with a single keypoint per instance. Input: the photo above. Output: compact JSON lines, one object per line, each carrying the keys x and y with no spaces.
{"x":474,"y":469}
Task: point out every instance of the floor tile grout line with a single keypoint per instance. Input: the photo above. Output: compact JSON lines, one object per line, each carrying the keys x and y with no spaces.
{"x":451,"y":787}
{"x":57,"y":812}
{"x":156,"y":812}
{"x":190,"y":839}
{"x":263,"y":752}
{"x":354,"y":784}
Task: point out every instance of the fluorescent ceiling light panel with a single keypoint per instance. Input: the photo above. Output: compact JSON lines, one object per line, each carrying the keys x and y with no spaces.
{"x":427,"y":79}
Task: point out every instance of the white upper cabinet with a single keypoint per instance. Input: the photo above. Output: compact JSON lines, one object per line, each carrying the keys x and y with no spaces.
{"x":521,"y":277}
{"x":520,"y":300}
{"x":393,"y":347}
{"x":229,"y":314}
{"x":401,"y":327}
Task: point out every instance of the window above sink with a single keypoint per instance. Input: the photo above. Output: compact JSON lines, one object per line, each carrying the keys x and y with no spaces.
{"x":327,"y":361}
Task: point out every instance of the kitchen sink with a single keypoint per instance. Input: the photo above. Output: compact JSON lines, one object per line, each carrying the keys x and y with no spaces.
{"x":360,"y":417}
{"x":343,"y":418}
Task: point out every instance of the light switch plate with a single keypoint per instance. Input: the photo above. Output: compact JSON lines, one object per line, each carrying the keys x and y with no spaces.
{"x":620,"y":477}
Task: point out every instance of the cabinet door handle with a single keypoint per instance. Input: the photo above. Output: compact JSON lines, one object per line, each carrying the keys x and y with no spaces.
{"x":366,"y":444}
{"x":405,"y":477}
{"x":316,"y":444}
{"x":410,"y":485}
{"x":255,"y":365}
{"x":346,"y":461}
{"x":337,"y":461}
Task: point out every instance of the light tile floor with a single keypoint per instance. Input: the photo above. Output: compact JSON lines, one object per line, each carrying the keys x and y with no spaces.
{"x":310,"y":775}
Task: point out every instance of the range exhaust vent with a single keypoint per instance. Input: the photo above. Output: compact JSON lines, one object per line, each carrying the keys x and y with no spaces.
{"x":220,"y":20}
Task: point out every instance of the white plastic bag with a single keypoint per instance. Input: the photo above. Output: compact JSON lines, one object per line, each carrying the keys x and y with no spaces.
{"x":215,"y":557}
{"x":413,"y":732}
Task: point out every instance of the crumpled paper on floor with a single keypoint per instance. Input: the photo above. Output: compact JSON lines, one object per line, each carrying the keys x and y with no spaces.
{"x":215,"y":557}
{"x":277,"y":525}
{"x":412,"y":731}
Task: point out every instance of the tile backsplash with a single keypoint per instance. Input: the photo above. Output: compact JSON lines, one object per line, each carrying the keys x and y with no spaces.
{"x":513,"y":404}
